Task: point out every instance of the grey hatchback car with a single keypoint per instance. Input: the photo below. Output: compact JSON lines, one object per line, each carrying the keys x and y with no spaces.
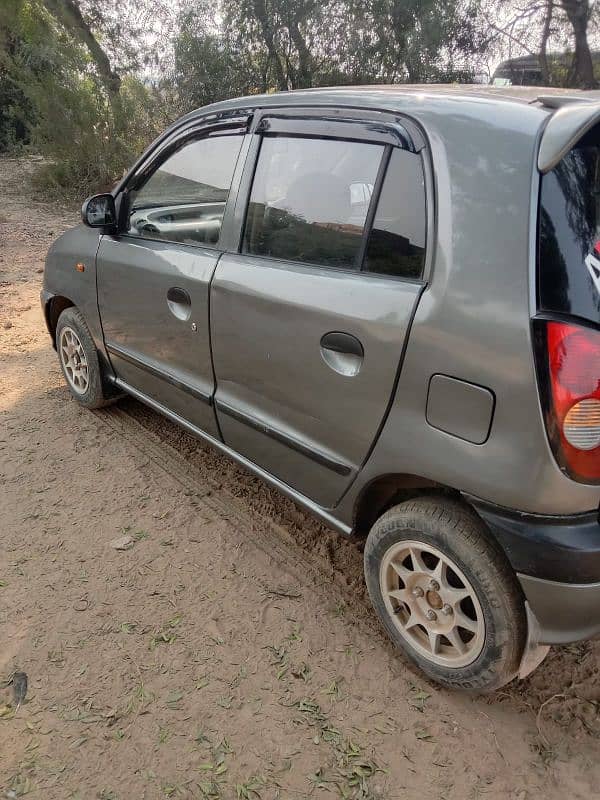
{"x":385,"y":301}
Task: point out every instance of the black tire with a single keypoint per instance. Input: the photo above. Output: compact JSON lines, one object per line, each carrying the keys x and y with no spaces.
{"x":455,"y":530}
{"x":95,"y":394}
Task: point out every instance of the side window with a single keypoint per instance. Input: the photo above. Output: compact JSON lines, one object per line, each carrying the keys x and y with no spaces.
{"x":397,"y":241}
{"x":310,"y":198}
{"x":184,"y":199}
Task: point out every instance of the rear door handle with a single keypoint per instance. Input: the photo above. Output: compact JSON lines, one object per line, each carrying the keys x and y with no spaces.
{"x":342,"y":343}
{"x":342,"y":352}
{"x":179,"y":302}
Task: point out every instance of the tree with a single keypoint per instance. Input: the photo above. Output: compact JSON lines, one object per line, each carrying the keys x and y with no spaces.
{"x":282,"y":36}
{"x":545,"y":36}
{"x":424,"y":40}
{"x":88,"y":120}
{"x":207,"y":66}
{"x":304,"y":43}
{"x":578,"y":13}
{"x":16,"y":112}
{"x":68,"y":14}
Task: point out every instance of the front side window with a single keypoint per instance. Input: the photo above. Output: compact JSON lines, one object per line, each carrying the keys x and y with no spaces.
{"x":310,"y":199}
{"x":184,"y":199}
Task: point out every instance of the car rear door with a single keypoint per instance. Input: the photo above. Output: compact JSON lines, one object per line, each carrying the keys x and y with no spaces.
{"x":154,"y":275}
{"x":310,"y":317}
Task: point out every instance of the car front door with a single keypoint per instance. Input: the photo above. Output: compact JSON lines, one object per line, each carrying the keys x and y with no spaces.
{"x":154,"y":275}
{"x":310,"y":317}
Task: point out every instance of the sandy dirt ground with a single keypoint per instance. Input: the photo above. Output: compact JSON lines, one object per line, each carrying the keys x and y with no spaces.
{"x":231,"y":652}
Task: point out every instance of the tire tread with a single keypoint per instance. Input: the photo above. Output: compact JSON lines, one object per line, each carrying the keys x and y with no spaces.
{"x":450,"y":522}
{"x":97,"y":395}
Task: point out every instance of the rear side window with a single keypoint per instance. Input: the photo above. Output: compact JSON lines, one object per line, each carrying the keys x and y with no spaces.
{"x":569,"y":233}
{"x":184,"y":199}
{"x":310,"y":200}
{"x":397,"y":240}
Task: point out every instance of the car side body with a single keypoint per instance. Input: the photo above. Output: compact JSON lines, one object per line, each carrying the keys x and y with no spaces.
{"x":446,"y":395}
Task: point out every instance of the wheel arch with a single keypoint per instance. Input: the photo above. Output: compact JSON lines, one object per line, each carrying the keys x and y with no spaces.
{"x":385,"y":491}
{"x":53,"y":308}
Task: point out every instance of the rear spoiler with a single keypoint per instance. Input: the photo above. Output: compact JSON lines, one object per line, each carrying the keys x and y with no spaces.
{"x":574,"y":117}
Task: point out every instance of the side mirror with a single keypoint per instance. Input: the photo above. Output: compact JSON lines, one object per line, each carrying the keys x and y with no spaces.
{"x":99,"y":211}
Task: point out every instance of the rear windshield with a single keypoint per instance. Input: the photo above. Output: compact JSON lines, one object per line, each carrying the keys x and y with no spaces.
{"x":569,"y":233}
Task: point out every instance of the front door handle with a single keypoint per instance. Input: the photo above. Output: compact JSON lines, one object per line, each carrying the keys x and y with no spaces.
{"x":179,"y":302}
{"x":342,"y":352}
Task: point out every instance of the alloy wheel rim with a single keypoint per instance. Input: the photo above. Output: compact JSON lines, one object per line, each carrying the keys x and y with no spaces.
{"x":432,"y":604}
{"x":74,"y":361}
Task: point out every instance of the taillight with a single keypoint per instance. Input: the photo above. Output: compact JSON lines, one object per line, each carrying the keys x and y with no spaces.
{"x":572,"y":370}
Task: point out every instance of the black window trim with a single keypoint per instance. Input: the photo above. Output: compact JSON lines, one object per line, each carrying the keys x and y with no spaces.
{"x":397,"y":124}
{"x":181,"y":130}
{"x":303,"y":124}
{"x":236,"y":127}
{"x":330,"y":127}
{"x":142,"y":172}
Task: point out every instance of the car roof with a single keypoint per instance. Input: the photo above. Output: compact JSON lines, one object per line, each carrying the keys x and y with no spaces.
{"x":516,"y":94}
{"x":394,"y":95}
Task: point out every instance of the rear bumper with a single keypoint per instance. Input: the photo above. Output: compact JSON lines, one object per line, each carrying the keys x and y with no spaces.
{"x":557,"y":561}
{"x":565,"y":612}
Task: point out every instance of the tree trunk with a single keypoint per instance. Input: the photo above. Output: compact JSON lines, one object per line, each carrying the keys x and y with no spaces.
{"x":304,"y":75}
{"x":68,"y":14}
{"x":264,"y":76}
{"x":262,"y":15}
{"x":578,"y":14}
{"x":543,"y":57}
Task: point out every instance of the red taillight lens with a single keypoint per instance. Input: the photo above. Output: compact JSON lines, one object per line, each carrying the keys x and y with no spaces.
{"x":573,"y":356}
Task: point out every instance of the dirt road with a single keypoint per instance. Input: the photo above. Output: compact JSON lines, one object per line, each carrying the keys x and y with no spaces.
{"x":230,"y":653}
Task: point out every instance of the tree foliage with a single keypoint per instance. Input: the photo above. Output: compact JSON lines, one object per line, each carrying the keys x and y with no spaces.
{"x":308,"y":43}
{"x":66,"y":99}
{"x":207,"y":66}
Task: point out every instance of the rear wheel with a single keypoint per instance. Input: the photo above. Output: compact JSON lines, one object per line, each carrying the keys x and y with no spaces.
{"x":446,"y":593}
{"x":78,"y":360}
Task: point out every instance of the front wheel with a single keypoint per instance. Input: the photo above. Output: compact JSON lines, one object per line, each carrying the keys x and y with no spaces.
{"x":446,"y":593}
{"x":78,"y":359}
